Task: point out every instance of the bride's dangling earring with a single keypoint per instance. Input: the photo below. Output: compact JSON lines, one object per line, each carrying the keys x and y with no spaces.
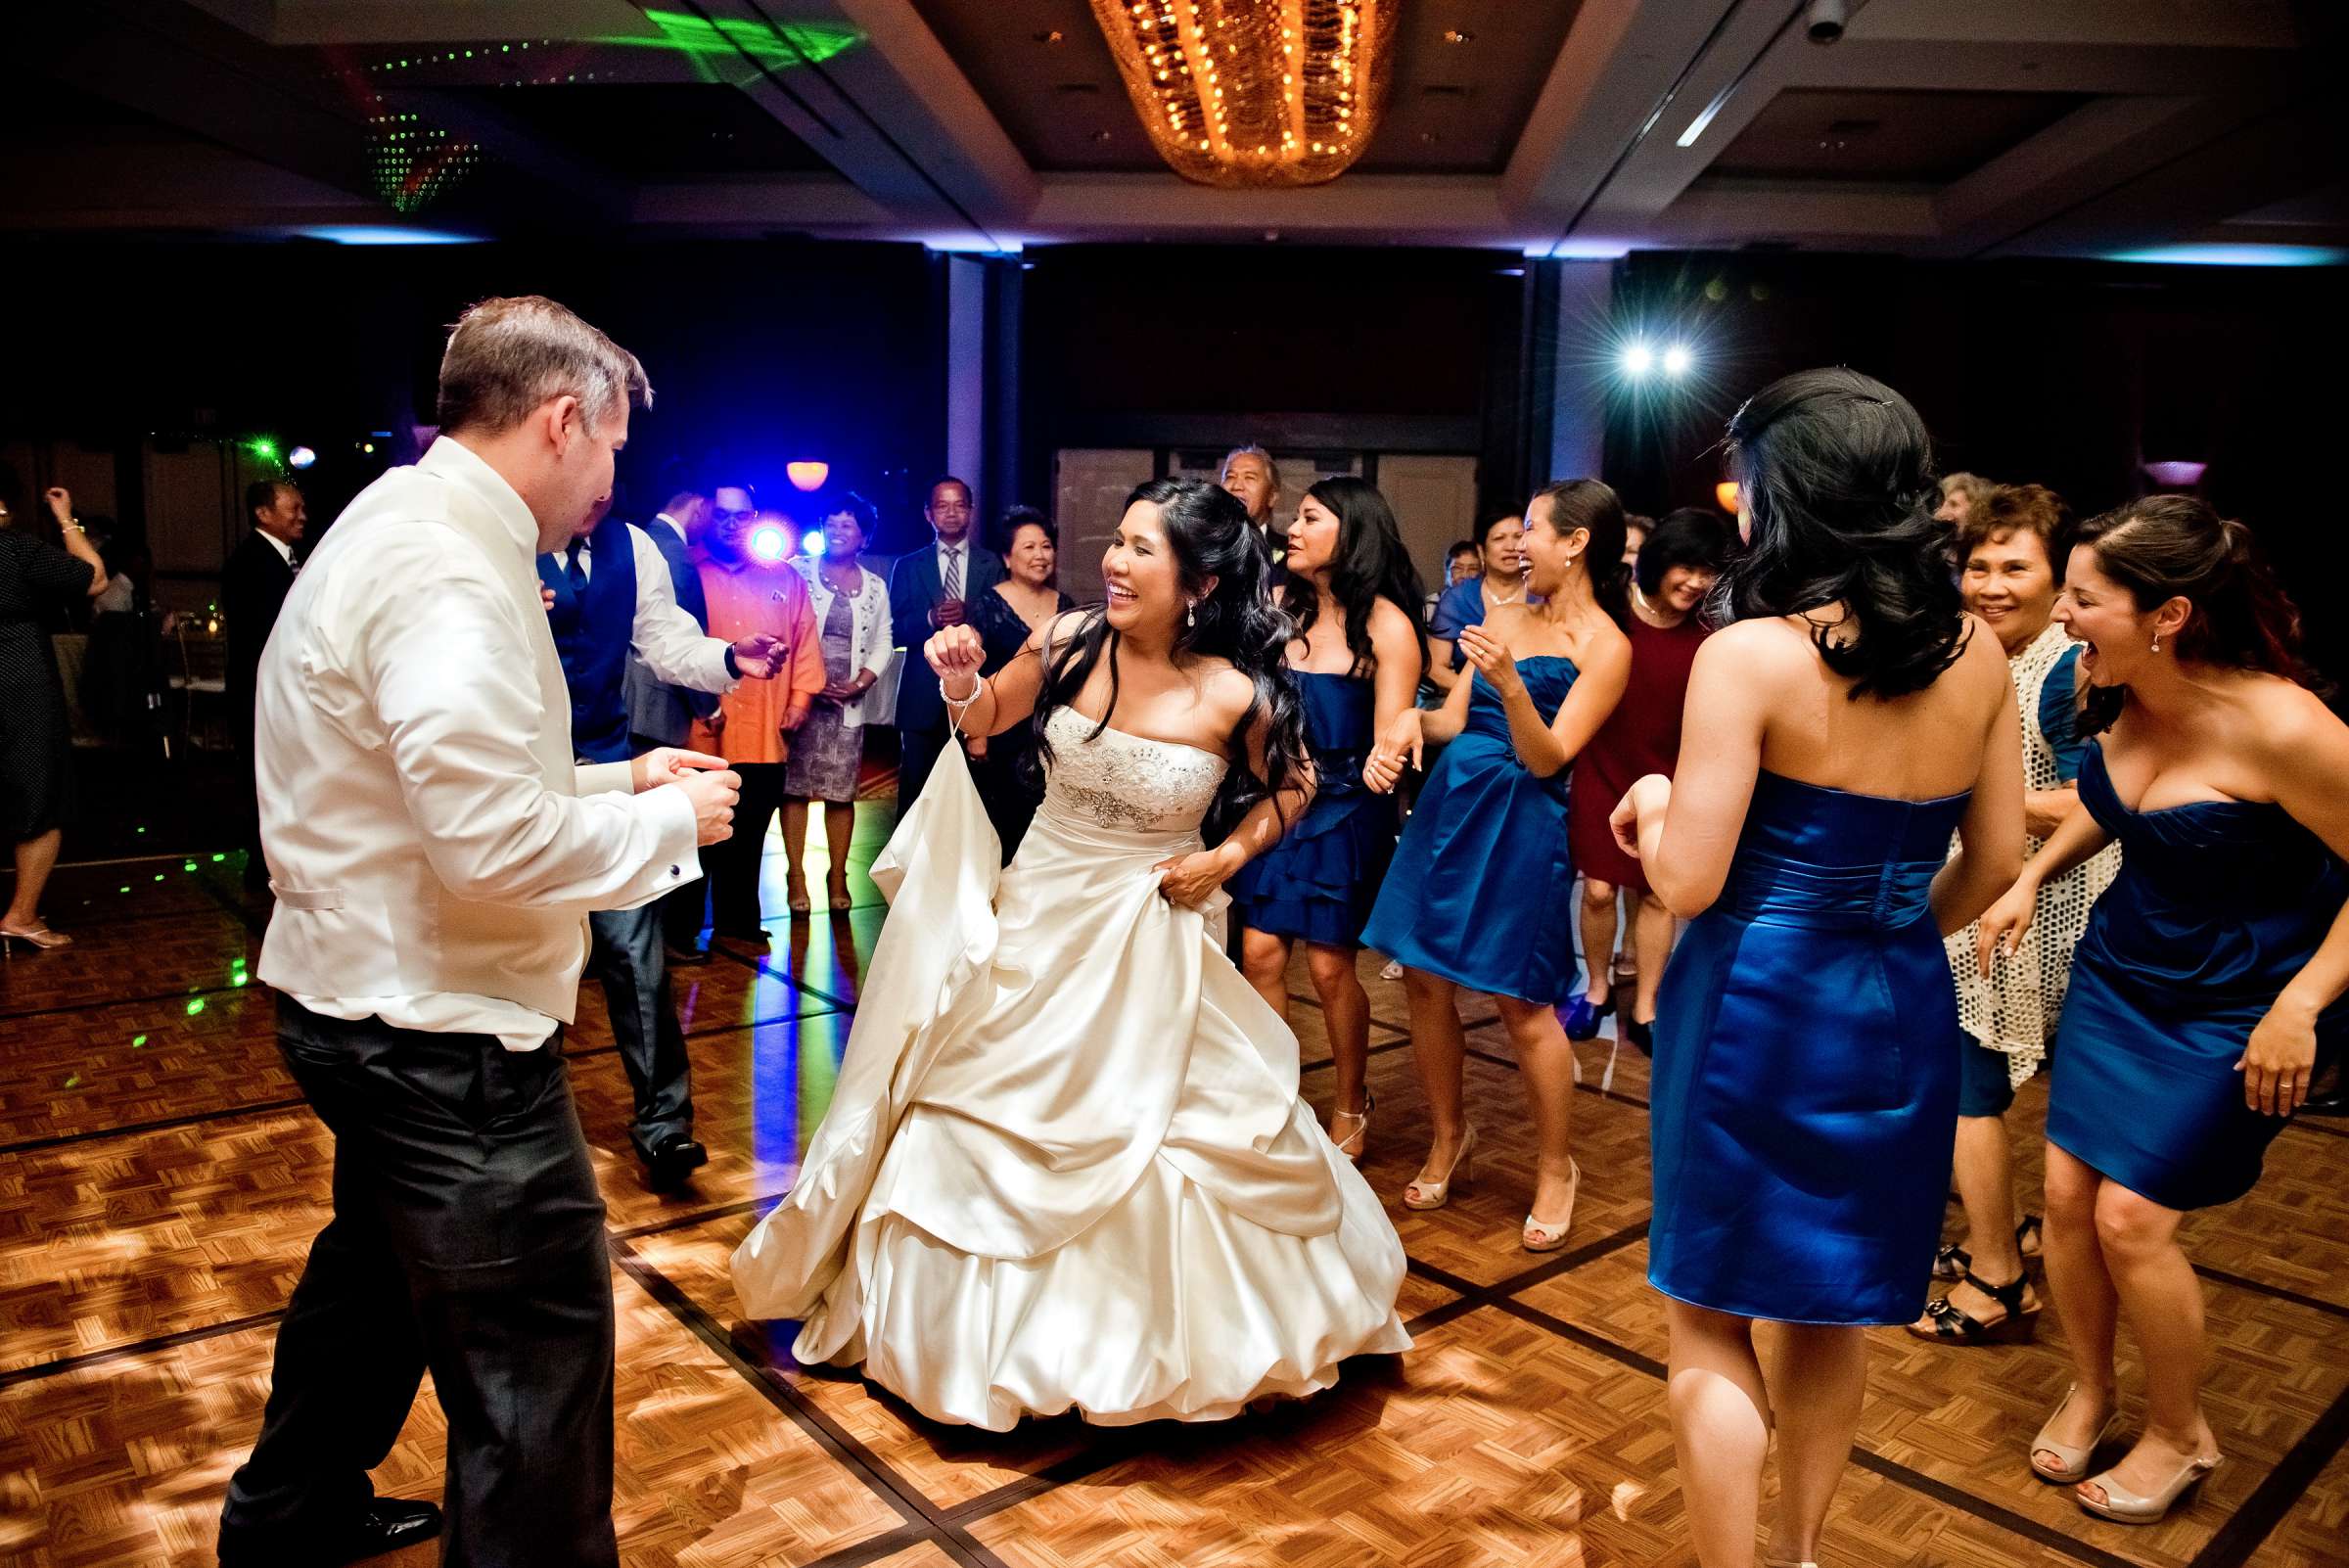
{"x":1190,"y":613}
{"x":2157,"y":642}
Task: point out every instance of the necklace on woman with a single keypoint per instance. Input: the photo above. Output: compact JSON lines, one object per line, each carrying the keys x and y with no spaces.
{"x":1510,"y":598}
{"x":840,"y":579}
{"x":1647,"y":611}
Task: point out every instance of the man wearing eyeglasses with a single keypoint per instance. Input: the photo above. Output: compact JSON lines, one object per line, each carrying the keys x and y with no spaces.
{"x":926,"y":590}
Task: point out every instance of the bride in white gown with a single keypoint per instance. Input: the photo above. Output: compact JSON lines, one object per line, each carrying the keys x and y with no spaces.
{"x":1065,"y":1163}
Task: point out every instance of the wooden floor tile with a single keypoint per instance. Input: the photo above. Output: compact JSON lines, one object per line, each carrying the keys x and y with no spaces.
{"x":158,"y":1194}
{"x":125,"y":1462}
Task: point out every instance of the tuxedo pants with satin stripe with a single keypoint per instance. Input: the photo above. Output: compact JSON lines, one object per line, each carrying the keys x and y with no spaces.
{"x":628,"y":960}
{"x":468,"y":1239}
{"x":734,"y":864}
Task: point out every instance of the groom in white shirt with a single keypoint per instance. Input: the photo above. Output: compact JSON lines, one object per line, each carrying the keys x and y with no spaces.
{"x":435,"y":853}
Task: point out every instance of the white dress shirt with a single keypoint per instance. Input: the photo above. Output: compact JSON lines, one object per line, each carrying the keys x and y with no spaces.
{"x":671,"y":642}
{"x":433,"y":849}
{"x":285,"y":551}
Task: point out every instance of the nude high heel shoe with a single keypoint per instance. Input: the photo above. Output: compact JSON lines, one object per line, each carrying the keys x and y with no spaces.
{"x":2074,"y":1461}
{"x":2124,"y":1506}
{"x":1424,"y":1194}
{"x":1546,"y":1235}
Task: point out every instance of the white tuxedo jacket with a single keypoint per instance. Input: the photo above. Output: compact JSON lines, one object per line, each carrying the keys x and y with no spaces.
{"x":433,"y":849}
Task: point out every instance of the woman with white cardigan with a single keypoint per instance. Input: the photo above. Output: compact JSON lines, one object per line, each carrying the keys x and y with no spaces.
{"x":852,"y":607}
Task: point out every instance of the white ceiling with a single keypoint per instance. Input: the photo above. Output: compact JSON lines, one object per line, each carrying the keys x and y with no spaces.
{"x":1940,"y":127}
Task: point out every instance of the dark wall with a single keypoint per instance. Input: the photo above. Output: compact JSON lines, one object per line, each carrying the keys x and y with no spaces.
{"x":2069,"y":375}
{"x":759,"y":352}
{"x":1201,"y":346}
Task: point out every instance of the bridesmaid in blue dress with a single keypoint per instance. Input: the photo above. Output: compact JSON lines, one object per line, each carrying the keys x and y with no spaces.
{"x":2207,"y":990}
{"x":1482,"y":882}
{"x":1804,"y":1098}
{"x":1358,"y":654}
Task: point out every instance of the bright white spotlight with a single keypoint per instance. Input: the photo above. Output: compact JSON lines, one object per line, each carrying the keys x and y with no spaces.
{"x":300,"y":457}
{"x":1638,"y":359}
{"x":1676,"y":361}
{"x":771,"y":542}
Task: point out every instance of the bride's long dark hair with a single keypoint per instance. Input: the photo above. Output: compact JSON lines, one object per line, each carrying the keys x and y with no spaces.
{"x":1211,"y":537}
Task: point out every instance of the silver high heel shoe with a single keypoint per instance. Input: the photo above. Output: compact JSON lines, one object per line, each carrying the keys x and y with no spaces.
{"x":1354,"y":1142}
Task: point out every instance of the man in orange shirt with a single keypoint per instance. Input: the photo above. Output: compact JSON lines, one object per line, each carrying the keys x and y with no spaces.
{"x":752,"y":727}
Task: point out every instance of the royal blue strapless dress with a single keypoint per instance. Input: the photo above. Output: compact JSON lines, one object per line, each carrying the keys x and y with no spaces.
{"x":1317,"y":883}
{"x":1806,"y":1073}
{"x":1481,"y":888}
{"x":2218,"y":904}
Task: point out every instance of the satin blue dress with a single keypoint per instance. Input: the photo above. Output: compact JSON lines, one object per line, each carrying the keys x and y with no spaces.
{"x":1317,"y":883}
{"x":1804,"y":1100}
{"x":1481,"y":888}
{"x":2217,"y":905}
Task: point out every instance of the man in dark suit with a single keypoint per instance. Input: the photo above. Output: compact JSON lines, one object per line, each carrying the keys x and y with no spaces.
{"x":926,"y":591}
{"x":252,"y":589}
{"x":662,"y":715}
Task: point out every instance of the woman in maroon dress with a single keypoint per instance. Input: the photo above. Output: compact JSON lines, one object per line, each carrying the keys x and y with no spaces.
{"x":1675,"y":572}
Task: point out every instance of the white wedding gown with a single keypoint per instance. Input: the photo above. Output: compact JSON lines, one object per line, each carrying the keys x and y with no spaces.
{"x":1065,"y":1163}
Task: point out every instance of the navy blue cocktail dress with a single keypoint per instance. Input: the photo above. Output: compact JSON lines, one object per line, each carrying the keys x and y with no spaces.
{"x":1481,"y":888}
{"x":2217,"y":905}
{"x":1806,"y":1084}
{"x":1318,"y":882}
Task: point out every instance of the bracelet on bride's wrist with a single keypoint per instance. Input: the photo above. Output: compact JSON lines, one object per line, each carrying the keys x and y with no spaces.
{"x":958,"y":703}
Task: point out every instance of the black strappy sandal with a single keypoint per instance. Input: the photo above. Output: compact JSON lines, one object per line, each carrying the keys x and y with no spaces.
{"x":1952,"y":1325}
{"x":1953,"y":1260}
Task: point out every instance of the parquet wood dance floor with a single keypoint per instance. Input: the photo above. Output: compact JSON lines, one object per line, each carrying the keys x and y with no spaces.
{"x":160,"y":1179}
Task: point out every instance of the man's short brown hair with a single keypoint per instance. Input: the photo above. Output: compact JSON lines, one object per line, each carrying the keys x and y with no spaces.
{"x":506,"y":358}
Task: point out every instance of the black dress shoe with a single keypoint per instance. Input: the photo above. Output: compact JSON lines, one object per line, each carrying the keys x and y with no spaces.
{"x":1641,"y":1036}
{"x":686,"y":957}
{"x":387,"y":1525}
{"x":673,"y":1162}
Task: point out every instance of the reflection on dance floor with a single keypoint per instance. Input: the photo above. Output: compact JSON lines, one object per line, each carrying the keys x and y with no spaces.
{"x":160,"y":1179}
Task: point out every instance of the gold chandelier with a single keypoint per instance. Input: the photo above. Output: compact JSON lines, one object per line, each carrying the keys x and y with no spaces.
{"x":1254,"y":92}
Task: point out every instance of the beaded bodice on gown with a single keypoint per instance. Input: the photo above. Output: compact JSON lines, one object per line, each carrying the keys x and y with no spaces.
{"x":1128,"y":782}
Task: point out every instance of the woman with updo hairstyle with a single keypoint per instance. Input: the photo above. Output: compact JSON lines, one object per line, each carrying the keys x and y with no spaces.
{"x":2207,"y":992}
{"x":851,"y":605}
{"x":1065,"y":1163}
{"x":1005,"y":616}
{"x":1844,"y":721}
{"x":1501,"y":579}
{"x":1481,"y":881}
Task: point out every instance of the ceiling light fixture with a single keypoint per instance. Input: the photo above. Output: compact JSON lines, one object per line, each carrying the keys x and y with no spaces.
{"x":1254,"y":92}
